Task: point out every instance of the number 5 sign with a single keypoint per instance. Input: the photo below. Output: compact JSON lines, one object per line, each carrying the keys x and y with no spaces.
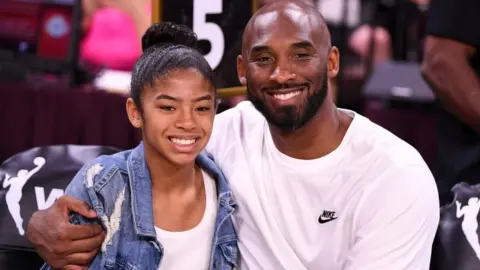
{"x":218,"y":24}
{"x":209,"y":30}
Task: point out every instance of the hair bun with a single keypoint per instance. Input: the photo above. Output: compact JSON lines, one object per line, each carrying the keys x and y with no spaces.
{"x":168,"y":33}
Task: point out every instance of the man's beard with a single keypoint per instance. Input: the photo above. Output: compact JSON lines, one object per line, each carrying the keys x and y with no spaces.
{"x":291,"y":118}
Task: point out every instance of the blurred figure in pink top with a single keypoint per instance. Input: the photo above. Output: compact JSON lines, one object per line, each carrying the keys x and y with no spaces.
{"x":112,"y":31}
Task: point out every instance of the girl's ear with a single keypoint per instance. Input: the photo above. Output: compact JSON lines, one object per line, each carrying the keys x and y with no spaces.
{"x":134,"y":113}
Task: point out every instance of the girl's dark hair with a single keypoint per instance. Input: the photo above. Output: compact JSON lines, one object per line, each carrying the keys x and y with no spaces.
{"x":166,"y":47}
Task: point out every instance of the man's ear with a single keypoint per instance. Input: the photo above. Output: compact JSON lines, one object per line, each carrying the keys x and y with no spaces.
{"x":241,"y":70}
{"x":134,"y":113}
{"x":333,"y":62}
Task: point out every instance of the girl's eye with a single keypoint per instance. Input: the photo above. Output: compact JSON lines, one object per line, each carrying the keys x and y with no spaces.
{"x":167,"y":108}
{"x":203,"y":109}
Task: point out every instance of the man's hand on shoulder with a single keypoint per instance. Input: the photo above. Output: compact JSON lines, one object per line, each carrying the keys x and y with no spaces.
{"x":60,"y":243}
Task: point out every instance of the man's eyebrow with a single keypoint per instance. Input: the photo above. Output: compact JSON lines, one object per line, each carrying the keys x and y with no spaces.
{"x":303,"y":44}
{"x":259,"y":49}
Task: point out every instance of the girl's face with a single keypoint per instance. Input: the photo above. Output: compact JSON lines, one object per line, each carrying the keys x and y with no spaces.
{"x":177,"y":118}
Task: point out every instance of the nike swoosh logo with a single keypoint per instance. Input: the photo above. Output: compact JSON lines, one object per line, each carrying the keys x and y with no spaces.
{"x":323,"y":220}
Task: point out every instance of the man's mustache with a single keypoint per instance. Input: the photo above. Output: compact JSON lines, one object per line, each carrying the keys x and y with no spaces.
{"x":283,"y":86}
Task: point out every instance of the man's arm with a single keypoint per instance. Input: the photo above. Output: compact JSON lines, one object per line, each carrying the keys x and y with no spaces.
{"x":446,"y":68}
{"x":60,"y":243}
{"x":396,"y":222}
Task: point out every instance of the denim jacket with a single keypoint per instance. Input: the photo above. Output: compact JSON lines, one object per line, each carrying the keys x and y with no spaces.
{"x":118,"y":188}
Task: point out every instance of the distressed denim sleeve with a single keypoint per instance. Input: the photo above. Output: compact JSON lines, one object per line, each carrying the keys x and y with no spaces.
{"x":78,"y":188}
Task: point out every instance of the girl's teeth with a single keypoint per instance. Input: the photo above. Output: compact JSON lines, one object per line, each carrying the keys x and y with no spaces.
{"x":182,"y":141}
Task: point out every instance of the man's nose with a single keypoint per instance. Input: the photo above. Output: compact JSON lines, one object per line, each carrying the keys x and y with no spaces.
{"x":283,"y":73}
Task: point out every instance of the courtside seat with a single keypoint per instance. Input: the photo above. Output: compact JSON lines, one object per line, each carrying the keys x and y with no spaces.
{"x":31,"y":181}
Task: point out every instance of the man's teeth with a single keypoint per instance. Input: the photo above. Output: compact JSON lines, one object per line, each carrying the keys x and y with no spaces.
{"x":182,"y":141}
{"x":286,"y":96}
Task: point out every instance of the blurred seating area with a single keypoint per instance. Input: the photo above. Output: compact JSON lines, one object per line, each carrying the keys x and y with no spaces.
{"x":52,"y":115}
{"x":52,"y":56}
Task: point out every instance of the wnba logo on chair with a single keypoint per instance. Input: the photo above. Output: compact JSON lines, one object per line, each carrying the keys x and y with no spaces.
{"x":469,"y":212}
{"x":15,"y":184}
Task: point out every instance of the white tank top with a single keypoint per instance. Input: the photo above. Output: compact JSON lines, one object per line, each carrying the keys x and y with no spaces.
{"x":191,"y":249}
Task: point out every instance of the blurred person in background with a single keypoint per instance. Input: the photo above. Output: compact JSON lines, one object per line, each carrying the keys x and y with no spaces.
{"x":381,"y":22}
{"x":369,"y":33}
{"x":452,"y":68}
{"x":112,"y":30}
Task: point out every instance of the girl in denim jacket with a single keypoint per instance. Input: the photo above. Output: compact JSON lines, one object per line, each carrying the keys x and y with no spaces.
{"x":163,"y":204}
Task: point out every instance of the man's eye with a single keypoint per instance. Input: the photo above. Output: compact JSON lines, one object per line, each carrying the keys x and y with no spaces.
{"x":302,"y":55}
{"x":264,"y":60}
